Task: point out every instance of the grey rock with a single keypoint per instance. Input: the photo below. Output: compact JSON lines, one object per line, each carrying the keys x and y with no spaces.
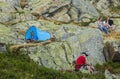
{"x":108,"y":75}
{"x":61,"y":54}
{"x":13,"y":2}
{"x":85,"y":8}
{"x":3,"y":47}
{"x":111,"y":51}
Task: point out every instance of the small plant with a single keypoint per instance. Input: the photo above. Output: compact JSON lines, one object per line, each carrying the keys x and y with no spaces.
{"x":115,"y":9}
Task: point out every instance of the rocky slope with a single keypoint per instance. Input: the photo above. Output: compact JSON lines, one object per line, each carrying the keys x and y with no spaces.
{"x":62,"y":18}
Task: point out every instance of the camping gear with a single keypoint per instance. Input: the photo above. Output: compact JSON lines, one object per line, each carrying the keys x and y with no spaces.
{"x":39,"y":35}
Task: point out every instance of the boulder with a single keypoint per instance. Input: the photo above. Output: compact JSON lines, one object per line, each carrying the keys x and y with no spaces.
{"x":49,"y":6}
{"x":108,"y":7}
{"x":6,"y":17}
{"x":6,"y":7}
{"x":108,"y":75}
{"x":66,"y":11}
{"x":12,"y":2}
{"x":117,"y":24}
{"x":74,"y":14}
{"x":7,"y":12}
{"x":86,"y":9}
{"x":10,"y":36}
{"x":71,"y":42}
{"x":61,"y":16}
{"x":111,"y":51}
{"x":3,"y":47}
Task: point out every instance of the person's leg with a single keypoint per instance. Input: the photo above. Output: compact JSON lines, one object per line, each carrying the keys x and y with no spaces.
{"x":105,"y":30}
{"x":89,"y":69}
{"x":100,"y":28}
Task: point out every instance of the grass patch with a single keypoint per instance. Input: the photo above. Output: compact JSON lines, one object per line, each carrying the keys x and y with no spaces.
{"x":113,"y":67}
{"x":20,"y":66}
{"x":16,"y":66}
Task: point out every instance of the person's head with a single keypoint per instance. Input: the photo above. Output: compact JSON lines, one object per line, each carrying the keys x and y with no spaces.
{"x":85,"y":53}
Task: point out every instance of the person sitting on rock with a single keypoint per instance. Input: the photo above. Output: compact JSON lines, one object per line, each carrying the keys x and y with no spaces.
{"x":32,"y":38}
{"x":110,"y":23}
{"x":82,"y":62}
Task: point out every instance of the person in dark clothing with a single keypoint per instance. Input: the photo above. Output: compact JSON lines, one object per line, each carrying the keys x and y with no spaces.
{"x":110,"y":23}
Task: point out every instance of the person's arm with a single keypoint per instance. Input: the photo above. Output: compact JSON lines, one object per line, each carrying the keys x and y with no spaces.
{"x":86,"y":62}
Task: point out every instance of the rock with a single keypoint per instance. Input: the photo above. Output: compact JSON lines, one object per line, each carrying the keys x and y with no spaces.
{"x":45,"y":6}
{"x":7,"y":12}
{"x":6,"y":7}
{"x":6,"y":17}
{"x":118,"y":76}
{"x":71,"y":42}
{"x":85,"y":8}
{"x":6,"y":35}
{"x":108,"y":75}
{"x":94,"y":25}
{"x":111,"y":7}
{"x":23,"y":3}
{"x":117,"y":24}
{"x":3,"y":47}
{"x":74,"y":14}
{"x":66,"y":11}
{"x":85,"y":20}
{"x":61,"y":16}
{"x":12,"y":2}
{"x":111,"y":52}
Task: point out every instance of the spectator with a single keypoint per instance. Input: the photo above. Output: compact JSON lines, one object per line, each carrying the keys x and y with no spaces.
{"x":110,"y":23}
{"x":102,"y":26}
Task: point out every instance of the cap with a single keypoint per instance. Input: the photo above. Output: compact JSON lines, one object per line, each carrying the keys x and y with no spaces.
{"x":85,"y":53}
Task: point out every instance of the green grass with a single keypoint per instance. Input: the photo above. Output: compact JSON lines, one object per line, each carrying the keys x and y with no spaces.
{"x":113,"y":67}
{"x":20,"y":66}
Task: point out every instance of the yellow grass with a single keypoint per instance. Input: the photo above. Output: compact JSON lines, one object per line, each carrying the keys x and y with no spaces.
{"x":112,"y":35}
{"x":14,"y":48}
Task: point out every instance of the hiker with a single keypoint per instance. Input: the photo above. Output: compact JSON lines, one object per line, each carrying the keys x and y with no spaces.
{"x":102,"y":26}
{"x":32,"y":37}
{"x":82,"y":62}
{"x":110,"y":23}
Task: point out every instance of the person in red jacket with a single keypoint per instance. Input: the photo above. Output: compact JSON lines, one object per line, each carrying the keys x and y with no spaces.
{"x":82,"y":62}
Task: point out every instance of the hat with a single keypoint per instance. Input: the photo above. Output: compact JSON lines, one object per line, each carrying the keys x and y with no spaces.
{"x":86,"y":54}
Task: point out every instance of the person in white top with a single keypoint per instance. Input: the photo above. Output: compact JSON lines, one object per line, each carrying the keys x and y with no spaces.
{"x":101,"y":26}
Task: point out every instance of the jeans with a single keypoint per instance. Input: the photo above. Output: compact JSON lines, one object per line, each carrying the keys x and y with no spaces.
{"x":103,"y":29}
{"x":100,"y":28}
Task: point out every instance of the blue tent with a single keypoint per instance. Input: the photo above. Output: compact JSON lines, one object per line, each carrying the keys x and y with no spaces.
{"x":39,"y":35}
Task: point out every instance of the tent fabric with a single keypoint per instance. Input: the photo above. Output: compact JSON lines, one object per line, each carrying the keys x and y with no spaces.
{"x":39,"y":35}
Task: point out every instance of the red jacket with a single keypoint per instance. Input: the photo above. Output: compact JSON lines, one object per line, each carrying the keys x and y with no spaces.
{"x":81,"y":60}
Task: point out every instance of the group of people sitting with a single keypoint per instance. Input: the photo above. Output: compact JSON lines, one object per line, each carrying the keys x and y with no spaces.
{"x":104,"y":26}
